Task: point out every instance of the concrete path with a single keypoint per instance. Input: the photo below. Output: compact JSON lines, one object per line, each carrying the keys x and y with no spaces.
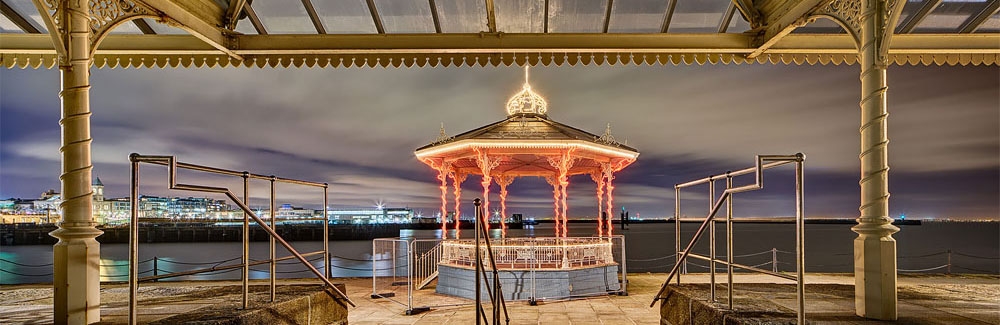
{"x":975,"y":298}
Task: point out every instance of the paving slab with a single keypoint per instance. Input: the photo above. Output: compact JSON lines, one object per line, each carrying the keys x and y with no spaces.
{"x":925,"y":299}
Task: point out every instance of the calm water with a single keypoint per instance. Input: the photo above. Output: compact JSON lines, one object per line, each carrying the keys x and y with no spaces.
{"x":976,"y":247}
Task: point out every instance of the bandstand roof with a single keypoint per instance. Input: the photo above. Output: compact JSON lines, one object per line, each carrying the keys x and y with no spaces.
{"x":322,"y":33}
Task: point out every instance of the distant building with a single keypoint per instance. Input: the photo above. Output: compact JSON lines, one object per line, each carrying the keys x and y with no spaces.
{"x":372,"y":216}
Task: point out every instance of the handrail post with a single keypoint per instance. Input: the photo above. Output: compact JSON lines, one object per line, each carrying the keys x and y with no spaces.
{"x":156,"y":267}
{"x":245,"y":273}
{"x":133,"y":241}
{"x":273,"y":264}
{"x":410,"y":265}
{"x":326,"y":232}
{"x":624,"y":286}
{"x":711,"y":239}
{"x":677,"y":228}
{"x":729,"y":242}
{"x":479,"y":264}
{"x":800,"y":235}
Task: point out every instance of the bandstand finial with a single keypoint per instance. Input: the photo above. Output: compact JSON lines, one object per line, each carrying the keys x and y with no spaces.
{"x":526,"y":101}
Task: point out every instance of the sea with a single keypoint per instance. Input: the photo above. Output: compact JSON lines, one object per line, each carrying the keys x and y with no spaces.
{"x":933,"y":247}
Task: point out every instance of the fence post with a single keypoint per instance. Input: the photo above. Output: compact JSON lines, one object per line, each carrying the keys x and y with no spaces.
{"x":949,"y":261}
{"x":155,"y":267}
{"x":774,"y":260}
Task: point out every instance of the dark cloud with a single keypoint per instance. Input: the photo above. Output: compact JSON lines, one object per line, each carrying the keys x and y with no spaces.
{"x":356,"y":129}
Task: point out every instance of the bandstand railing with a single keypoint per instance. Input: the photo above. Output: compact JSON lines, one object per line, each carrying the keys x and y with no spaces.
{"x":763,"y":162}
{"x":544,"y":253}
{"x":172,"y":166}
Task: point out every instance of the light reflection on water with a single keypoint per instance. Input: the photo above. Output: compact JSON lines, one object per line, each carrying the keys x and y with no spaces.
{"x":829,"y":248}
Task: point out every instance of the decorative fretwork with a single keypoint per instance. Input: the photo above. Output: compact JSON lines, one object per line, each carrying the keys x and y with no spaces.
{"x":853,"y":14}
{"x":104,"y":14}
{"x":443,"y":137}
{"x":607,"y":138}
{"x":847,"y":12}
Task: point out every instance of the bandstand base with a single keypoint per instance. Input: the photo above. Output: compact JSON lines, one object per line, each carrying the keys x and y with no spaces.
{"x":523,"y":285}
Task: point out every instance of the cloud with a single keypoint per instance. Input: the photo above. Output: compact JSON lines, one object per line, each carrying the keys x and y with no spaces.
{"x":357,"y":128}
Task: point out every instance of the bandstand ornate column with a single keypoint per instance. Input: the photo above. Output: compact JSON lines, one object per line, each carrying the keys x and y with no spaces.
{"x":871,"y":22}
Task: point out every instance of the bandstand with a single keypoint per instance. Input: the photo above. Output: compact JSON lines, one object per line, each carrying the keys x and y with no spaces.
{"x":527,"y":144}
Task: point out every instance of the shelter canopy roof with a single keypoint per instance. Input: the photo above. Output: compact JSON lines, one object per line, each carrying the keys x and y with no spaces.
{"x":471,"y":32}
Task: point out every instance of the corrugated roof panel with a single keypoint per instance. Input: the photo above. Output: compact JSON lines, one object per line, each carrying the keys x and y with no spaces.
{"x":27,"y":10}
{"x":700,"y":16}
{"x":405,"y":16}
{"x":284,"y":17}
{"x":345,"y":16}
{"x":949,"y":16}
{"x":520,"y":16}
{"x":577,"y":16}
{"x":637,"y":16}
{"x":462,"y":16}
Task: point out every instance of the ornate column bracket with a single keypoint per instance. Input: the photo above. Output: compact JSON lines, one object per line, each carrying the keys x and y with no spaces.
{"x":851,"y":14}
{"x":105,"y":15}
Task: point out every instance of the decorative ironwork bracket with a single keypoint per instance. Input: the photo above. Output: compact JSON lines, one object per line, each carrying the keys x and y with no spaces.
{"x":852,"y":15}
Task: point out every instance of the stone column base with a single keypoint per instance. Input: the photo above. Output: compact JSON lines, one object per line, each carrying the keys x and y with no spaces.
{"x":875,"y":277}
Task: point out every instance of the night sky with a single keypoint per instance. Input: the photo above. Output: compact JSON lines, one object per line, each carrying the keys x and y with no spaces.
{"x":357,"y":129}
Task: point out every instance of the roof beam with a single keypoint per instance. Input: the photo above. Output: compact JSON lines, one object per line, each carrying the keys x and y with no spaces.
{"x":192,"y":15}
{"x":727,"y":17}
{"x":17,"y":19}
{"x":973,"y":23}
{"x":233,"y":13}
{"x":254,"y":20}
{"x":914,"y":19}
{"x":748,"y":11}
{"x":778,"y":26}
{"x":143,"y":26}
{"x":314,"y":16}
{"x":980,"y":43}
{"x":375,"y":17}
{"x":475,"y":43}
{"x":607,"y":15}
{"x":669,"y":14}
{"x":545,"y":20}
{"x":434,"y":15}
{"x":491,"y":16}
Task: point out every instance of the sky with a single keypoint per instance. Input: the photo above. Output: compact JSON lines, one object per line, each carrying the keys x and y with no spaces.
{"x":356,"y":129}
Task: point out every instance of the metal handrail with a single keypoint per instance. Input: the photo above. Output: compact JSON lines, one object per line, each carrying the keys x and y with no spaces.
{"x":172,"y":165}
{"x":762,"y":162}
{"x":496,"y":295}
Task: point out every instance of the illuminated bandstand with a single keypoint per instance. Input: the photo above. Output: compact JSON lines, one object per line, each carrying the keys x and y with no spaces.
{"x":527,"y":143}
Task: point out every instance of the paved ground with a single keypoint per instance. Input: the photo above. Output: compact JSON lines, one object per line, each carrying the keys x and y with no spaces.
{"x":927,"y":295}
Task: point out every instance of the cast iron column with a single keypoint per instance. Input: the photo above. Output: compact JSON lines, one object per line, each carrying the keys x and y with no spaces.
{"x":874,"y":249}
{"x":77,"y":255}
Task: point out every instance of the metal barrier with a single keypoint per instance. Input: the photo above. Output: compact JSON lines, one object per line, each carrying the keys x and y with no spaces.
{"x":172,"y":166}
{"x":403,"y":263}
{"x":763,"y":162}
